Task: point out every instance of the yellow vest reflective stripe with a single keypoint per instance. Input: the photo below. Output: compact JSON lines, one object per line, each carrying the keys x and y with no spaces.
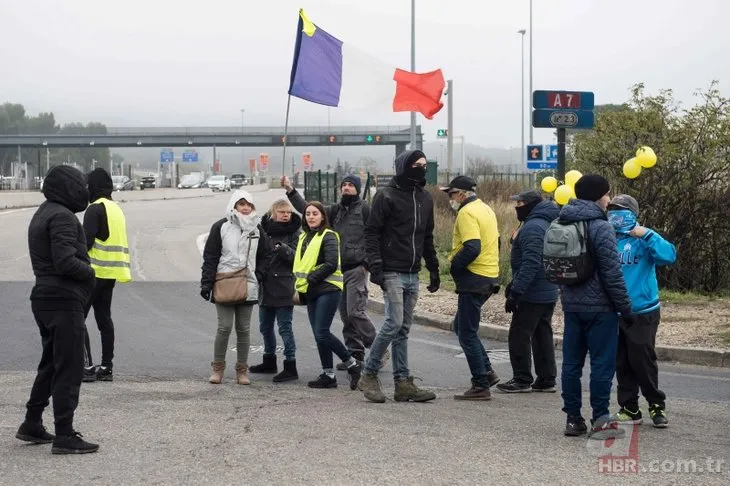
{"x":110,"y":258}
{"x":304,"y":264}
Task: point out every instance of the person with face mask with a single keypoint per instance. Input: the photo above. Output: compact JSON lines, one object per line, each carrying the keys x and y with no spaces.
{"x":591,"y":312}
{"x":398,"y":234}
{"x":234,"y":242}
{"x":348,"y":218}
{"x":475,"y":269}
{"x":531,"y":299}
{"x":640,"y":250}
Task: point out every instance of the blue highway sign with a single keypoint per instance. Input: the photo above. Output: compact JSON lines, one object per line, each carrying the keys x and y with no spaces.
{"x":167,"y":155}
{"x":190,"y":156}
{"x":560,"y":118}
{"x":573,"y":100}
{"x":551,"y":153}
{"x":542,"y":165}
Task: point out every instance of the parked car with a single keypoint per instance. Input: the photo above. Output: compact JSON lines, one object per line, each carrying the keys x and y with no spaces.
{"x":147,"y":183}
{"x":238,"y":181}
{"x":122,"y":183}
{"x":219,"y":183}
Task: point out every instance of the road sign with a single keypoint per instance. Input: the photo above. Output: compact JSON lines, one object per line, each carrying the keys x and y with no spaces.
{"x":535,"y":153}
{"x":576,"y":119}
{"x":551,"y":153}
{"x":442,"y":133}
{"x":167,"y":155}
{"x":573,"y":100}
{"x":542,"y":165}
{"x":190,"y":156}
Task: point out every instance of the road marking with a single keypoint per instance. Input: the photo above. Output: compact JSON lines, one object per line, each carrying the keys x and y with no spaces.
{"x":11,"y":211}
{"x":135,"y":258}
{"x":200,"y":241}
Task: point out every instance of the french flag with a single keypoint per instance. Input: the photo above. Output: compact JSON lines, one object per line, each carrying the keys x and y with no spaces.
{"x":329,"y":72}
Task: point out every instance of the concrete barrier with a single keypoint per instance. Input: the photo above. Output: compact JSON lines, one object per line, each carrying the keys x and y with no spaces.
{"x":718,"y":358}
{"x":29,"y":199}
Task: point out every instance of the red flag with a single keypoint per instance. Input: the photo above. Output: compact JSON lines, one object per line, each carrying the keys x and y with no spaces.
{"x":419,"y":92}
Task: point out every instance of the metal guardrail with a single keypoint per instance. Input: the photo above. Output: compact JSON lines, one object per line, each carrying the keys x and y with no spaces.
{"x":143,"y":131}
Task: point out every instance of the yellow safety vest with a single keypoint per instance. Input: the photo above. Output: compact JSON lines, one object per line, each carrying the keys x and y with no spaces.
{"x":110,"y":258}
{"x":304,"y":264}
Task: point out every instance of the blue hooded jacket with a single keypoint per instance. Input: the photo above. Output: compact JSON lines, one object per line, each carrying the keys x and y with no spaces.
{"x":528,"y":273}
{"x":639,"y":258}
{"x":605,"y":291}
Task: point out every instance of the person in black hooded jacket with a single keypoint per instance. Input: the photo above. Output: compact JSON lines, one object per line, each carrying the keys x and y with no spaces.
{"x":64,"y":281}
{"x":399,"y":232}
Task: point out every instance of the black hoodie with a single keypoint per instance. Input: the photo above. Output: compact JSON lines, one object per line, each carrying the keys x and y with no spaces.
{"x":399,"y":231}
{"x":57,"y":244}
{"x":274,"y":270}
{"x":96,"y":224}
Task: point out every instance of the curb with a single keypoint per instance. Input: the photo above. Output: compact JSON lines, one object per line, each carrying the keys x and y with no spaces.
{"x":695,"y":356}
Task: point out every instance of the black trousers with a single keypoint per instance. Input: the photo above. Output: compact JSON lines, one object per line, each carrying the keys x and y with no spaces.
{"x":636,"y":363}
{"x":61,"y":367}
{"x":101,"y":302}
{"x":531,"y":336}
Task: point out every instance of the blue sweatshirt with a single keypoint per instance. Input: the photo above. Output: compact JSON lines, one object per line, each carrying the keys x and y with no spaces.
{"x":639,"y":258}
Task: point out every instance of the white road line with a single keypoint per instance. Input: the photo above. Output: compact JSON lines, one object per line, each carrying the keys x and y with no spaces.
{"x":200,"y":241}
{"x":136,"y":260}
{"x":11,"y":211}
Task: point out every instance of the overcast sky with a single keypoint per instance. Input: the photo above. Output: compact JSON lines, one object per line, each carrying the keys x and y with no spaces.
{"x":197,"y":63}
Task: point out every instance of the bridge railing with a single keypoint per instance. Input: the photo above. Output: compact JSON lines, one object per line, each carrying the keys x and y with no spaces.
{"x":142,"y":131}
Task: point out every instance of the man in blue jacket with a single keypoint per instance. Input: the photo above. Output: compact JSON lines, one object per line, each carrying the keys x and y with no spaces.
{"x":640,"y":250}
{"x":531,"y":299}
{"x":591,"y":313}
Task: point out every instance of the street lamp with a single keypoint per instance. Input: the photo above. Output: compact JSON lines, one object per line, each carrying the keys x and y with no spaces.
{"x":413,"y":69}
{"x":243,"y":148}
{"x":522,"y":33}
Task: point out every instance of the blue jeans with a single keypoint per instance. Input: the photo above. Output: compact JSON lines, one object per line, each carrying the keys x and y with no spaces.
{"x":466,"y":327}
{"x":321,"y":312}
{"x":401,"y":295}
{"x":595,"y":333}
{"x":283,"y":316}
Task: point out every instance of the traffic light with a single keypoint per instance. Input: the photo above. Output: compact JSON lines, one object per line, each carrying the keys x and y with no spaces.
{"x":373,"y":139}
{"x":332,"y":139}
{"x":442,"y":133}
{"x":283,"y":139}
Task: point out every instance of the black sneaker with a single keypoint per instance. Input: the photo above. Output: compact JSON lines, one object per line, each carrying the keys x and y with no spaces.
{"x":626,"y":416}
{"x":323,"y":381}
{"x":73,"y":444}
{"x":353,"y":374}
{"x":492,"y":377}
{"x":514,"y":386}
{"x":34,"y":433}
{"x":104,"y":373}
{"x":341,"y":366}
{"x":605,"y":428}
{"x":575,"y":427}
{"x":658,"y":416}
{"x":542,"y":387}
{"x":89,"y":374}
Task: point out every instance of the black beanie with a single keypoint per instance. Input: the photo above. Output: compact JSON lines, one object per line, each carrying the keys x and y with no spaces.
{"x":354,"y":180}
{"x":100,"y":184}
{"x":592,"y":187}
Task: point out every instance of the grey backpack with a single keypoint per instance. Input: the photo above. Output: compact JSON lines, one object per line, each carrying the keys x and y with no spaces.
{"x":566,"y":256}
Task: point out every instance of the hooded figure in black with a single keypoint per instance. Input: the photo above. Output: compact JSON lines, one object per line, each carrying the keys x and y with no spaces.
{"x":96,"y":226}
{"x":64,"y":281}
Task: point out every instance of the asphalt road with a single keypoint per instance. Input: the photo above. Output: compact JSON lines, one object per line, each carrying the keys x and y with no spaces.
{"x":160,"y":421}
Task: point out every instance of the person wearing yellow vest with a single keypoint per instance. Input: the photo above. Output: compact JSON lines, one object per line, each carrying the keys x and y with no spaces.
{"x":106,"y":239}
{"x":475,"y":269}
{"x":318,"y":273}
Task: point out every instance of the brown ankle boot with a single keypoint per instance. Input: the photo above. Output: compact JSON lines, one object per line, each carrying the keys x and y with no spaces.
{"x":217,"y":376}
{"x":242,"y":374}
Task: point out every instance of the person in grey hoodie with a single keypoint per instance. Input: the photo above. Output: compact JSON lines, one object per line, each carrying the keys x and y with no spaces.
{"x":591,"y":311}
{"x":531,"y":299}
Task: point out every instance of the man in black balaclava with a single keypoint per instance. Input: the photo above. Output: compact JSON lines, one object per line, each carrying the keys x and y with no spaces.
{"x":64,"y":281}
{"x":531,"y":298}
{"x":106,"y":240}
{"x":348,"y":218}
{"x":398,"y":235}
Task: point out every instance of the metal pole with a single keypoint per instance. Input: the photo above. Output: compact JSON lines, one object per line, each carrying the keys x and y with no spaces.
{"x":286,"y":131}
{"x":243,"y":141}
{"x":530,"y":94}
{"x":561,"y":154}
{"x":48,"y":159}
{"x":450,"y":129}
{"x":413,"y":68}
{"x":522,"y":100}
{"x":463,"y":162}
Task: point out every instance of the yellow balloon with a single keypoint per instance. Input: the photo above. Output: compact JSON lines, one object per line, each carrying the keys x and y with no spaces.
{"x":549,"y":184}
{"x":572,"y":177}
{"x":563,"y":194}
{"x":632,"y":168}
{"x":646,"y":157}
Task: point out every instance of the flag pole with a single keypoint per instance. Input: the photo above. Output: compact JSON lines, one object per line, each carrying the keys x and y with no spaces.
{"x":286,"y":132}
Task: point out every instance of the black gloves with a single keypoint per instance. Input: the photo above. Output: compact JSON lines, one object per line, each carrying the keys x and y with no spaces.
{"x":376,"y":275}
{"x":628,"y":317}
{"x":206,"y":293}
{"x":435,"y":281}
{"x":512,"y":303}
